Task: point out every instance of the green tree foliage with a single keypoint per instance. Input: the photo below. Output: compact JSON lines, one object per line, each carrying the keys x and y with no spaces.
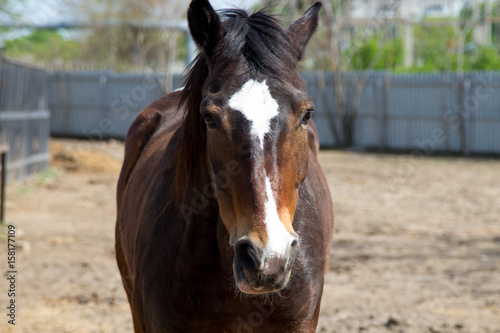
{"x":377,"y":55}
{"x":496,"y":26}
{"x":433,"y":47}
{"x":435,"y":51}
{"x":485,"y":58}
{"x":127,"y":47}
{"x":112,"y":43}
{"x":43,"y":46}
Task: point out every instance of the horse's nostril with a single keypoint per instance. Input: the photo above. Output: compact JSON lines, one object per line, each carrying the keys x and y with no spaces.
{"x":294,"y":243}
{"x":248,"y":255}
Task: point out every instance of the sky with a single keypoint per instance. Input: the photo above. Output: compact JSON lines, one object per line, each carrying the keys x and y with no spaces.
{"x":245,"y":4}
{"x":45,"y":11}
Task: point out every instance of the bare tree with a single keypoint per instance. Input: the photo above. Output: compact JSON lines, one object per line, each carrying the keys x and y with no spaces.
{"x":341,"y":30}
{"x":461,"y":30}
{"x":123,"y":43}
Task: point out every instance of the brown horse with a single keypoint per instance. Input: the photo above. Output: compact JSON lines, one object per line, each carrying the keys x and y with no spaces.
{"x":221,"y":197}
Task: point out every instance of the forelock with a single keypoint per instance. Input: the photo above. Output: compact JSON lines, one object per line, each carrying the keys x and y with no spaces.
{"x":260,"y":39}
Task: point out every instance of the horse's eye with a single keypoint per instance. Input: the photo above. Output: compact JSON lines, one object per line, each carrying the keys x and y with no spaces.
{"x":306,"y":117}
{"x":209,"y":121}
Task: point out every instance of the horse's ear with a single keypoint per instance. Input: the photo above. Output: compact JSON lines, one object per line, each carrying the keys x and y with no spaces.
{"x":205,"y":25}
{"x":303,"y":29}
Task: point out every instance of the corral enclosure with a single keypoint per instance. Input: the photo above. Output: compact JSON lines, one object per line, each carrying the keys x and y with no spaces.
{"x":24,"y":117}
{"x":416,"y":246}
{"x":438,"y":112}
{"x":422,"y":113}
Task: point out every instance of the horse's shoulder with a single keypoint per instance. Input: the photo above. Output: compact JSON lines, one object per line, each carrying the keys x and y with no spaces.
{"x":142,"y":129}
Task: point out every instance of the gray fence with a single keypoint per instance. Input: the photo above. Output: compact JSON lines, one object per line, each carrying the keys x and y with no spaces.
{"x":24,"y":118}
{"x":100,"y":105}
{"x":413,"y":112}
{"x":382,"y":111}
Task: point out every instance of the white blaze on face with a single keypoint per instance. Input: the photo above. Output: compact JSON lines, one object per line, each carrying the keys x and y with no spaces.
{"x":255,"y":102}
{"x":279,"y":239}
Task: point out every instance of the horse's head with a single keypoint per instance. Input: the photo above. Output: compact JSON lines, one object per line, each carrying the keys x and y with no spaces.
{"x":256,"y":111}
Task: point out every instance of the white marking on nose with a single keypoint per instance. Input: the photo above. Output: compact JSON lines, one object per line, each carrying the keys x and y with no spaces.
{"x":279,"y":239}
{"x":255,"y":102}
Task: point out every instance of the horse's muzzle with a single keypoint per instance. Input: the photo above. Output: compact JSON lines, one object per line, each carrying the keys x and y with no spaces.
{"x":259,"y":272}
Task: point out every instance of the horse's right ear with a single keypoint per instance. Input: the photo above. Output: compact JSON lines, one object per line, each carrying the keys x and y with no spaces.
{"x":205,"y":25}
{"x":304,"y":27}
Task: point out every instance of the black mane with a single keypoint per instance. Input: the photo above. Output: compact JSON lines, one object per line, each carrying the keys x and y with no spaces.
{"x":260,"y":39}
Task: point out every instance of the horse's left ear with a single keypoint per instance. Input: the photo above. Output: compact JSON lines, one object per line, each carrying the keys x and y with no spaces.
{"x":303,"y":29}
{"x":205,"y":25}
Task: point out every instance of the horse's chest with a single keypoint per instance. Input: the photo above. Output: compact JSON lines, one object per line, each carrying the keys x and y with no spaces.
{"x":252,"y":315}
{"x":206,"y":308}
{"x":199,"y":295}
{"x":214,"y":306}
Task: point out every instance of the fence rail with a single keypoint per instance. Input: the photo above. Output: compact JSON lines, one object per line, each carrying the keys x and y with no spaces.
{"x":382,"y":111}
{"x":24,"y":118}
{"x":427,"y":112}
{"x":100,"y":105}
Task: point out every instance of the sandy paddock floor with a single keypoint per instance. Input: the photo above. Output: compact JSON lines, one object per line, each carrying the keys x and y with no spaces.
{"x":416,"y":245}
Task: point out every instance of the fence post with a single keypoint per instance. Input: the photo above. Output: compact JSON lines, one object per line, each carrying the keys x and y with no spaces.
{"x":330,"y":115}
{"x":445,"y":87}
{"x":3,"y":178}
{"x":461,"y":110}
{"x":3,"y":70}
{"x":382,"y":85}
{"x":103,"y":125}
{"x":385,"y":115}
{"x":465,"y":115}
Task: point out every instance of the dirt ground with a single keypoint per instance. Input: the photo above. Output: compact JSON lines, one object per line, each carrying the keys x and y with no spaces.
{"x":416,"y":245}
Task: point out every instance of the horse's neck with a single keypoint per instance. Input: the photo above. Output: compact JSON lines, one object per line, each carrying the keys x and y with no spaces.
{"x":204,"y":231}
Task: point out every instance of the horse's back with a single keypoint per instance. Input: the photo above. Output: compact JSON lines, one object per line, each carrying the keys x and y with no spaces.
{"x":161,"y":112}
